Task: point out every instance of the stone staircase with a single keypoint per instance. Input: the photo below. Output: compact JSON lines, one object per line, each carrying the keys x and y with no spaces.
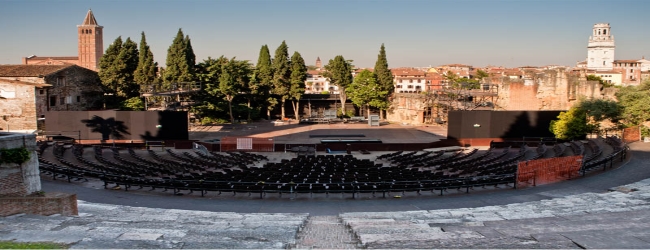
{"x":325,"y":232}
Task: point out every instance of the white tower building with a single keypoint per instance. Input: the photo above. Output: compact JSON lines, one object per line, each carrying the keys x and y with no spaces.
{"x":600,"y":51}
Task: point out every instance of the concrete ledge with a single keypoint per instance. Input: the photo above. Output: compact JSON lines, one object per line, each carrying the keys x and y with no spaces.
{"x":49,"y":204}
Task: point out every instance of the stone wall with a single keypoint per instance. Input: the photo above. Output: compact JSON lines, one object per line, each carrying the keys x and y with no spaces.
{"x":23,"y":179}
{"x":48,"y":204}
{"x":407,"y":109}
{"x":17,"y":108}
{"x":555,"y":89}
{"x":73,"y":89}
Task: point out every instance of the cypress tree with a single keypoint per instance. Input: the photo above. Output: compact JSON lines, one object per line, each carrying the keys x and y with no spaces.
{"x":385,"y":81}
{"x":127,"y":63}
{"x":281,"y":68}
{"x":146,"y":71}
{"x":191,"y":59}
{"x":178,"y":59}
{"x":298,"y":77}
{"x":263,"y":79}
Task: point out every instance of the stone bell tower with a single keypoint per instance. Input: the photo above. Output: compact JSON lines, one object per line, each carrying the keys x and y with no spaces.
{"x":91,"y":42}
{"x":600,"y":51}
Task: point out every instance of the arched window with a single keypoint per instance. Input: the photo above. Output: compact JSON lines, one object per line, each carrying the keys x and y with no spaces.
{"x":598,"y":32}
{"x":90,"y":31}
{"x":603,"y":63}
{"x":604,"y":32}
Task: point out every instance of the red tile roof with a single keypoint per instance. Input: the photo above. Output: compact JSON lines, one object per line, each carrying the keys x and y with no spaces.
{"x":30,"y":70}
{"x":45,"y":58}
{"x":407,"y":72}
{"x":25,"y":83}
{"x":314,"y":72}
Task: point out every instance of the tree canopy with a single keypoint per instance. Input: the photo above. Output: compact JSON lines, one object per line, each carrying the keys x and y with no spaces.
{"x":146,"y":71}
{"x":339,"y":72}
{"x":585,"y":117}
{"x":297,"y":81}
{"x":635,"y":102}
{"x":281,"y":68}
{"x":234,"y":78}
{"x":365,"y":91}
{"x":263,"y":80}
{"x":180,"y":60}
{"x":117,"y":67}
{"x":385,"y":84}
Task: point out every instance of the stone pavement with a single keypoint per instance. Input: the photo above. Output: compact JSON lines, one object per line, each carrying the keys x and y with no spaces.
{"x":619,"y":218}
{"x":112,"y":226}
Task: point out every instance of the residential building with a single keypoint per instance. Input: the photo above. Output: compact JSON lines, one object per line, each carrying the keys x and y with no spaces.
{"x":27,"y":91}
{"x":316,"y":83}
{"x":613,"y":76}
{"x":90,"y":46}
{"x":409,"y":80}
{"x":630,"y":70}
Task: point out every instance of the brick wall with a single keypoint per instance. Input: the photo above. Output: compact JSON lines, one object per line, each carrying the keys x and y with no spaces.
{"x":50,"y":203}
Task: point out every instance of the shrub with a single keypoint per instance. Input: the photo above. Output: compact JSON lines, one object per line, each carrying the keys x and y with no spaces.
{"x":14,"y":155}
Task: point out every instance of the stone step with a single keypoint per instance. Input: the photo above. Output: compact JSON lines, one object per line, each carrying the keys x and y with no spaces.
{"x":326,"y":232}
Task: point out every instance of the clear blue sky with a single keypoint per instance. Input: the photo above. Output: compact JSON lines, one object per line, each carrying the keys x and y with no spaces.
{"x":416,"y":33}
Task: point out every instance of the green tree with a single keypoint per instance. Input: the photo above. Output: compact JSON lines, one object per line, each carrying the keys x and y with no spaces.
{"x":263,"y":80}
{"x":635,"y":102}
{"x":116,"y":69}
{"x":480,"y":74}
{"x":571,"y":124}
{"x":191,"y":58}
{"x":600,"y":80}
{"x":585,"y":117}
{"x":178,"y":61}
{"x":365,"y":91}
{"x":127,"y":63}
{"x":384,"y":80}
{"x":339,"y":72}
{"x":210,"y":101}
{"x":235,"y":75}
{"x":281,"y":68}
{"x":146,"y":71}
{"x":108,"y":72}
{"x":298,"y":78}
{"x":133,"y":104}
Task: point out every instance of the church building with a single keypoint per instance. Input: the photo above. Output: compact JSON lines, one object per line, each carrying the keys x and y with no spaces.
{"x":90,"y":47}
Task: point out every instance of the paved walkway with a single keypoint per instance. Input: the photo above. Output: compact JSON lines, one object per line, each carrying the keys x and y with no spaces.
{"x":608,"y":210}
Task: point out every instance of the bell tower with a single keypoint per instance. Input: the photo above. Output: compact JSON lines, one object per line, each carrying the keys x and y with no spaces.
{"x":91,"y":42}
{"x":600,"y":51}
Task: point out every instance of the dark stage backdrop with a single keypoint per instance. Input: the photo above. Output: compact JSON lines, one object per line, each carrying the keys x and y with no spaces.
{"x":500,"y":124}
{"x":130,"y":125}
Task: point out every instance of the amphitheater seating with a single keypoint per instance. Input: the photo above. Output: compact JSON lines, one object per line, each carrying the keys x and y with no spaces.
{"x":196,"y":171}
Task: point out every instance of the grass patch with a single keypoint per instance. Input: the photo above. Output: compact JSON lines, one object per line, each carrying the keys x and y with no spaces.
{"x":31,"y":245}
